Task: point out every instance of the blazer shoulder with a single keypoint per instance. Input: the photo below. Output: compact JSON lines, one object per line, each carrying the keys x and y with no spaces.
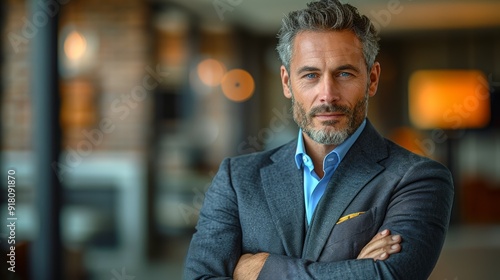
{"x":258,"y":159}
{"x":391,"y":155}
{"x":402,"y":157}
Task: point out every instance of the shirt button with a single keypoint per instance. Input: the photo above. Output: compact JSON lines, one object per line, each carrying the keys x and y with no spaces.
{"x":330,"y":159}
{"x":305,"y":159}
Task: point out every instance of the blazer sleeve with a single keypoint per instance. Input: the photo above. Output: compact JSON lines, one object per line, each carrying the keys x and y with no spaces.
{"x":419,"y":210}
{"x":216,"y":246}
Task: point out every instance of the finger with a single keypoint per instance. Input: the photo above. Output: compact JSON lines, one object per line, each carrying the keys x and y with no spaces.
{"x":382,"y":242}
{"x":375,"y":248}
{"x":245,"y":257}
{"x":381,"y":257}
{"x":387,"y":251}
{"x":380,"y":254}
{"x":374,"y":244}
{"x":381,"y":235}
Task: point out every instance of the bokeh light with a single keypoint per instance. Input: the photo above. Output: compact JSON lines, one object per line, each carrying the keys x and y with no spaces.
{"x":211,"y":71}
{"x":238,"y":85}
{"x":449,"y":99}
{"x":75,"y":45}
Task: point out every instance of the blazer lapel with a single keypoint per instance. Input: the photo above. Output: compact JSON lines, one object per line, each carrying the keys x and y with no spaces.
{"x":283,"y":186}
{"x":355,"y":171}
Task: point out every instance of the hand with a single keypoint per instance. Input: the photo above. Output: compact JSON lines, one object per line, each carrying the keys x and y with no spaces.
{"x":381,"y":246}
{"x":249,"y":266}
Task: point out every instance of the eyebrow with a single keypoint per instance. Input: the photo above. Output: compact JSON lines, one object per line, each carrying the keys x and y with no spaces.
{"x":348,"y":67}
{"x":307,"y":69}
{"x":340,"y":68}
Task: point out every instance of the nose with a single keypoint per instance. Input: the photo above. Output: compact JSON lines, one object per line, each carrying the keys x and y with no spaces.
{"x":329,"y":91}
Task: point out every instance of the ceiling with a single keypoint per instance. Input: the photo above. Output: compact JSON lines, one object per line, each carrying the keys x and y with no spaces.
{"x":264,"y":16}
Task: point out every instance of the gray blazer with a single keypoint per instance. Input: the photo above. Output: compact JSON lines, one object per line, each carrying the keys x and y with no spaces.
{"x":256,"y":204}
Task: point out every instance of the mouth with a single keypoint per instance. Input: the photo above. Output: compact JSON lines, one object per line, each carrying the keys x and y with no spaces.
{"x":329,"y":116}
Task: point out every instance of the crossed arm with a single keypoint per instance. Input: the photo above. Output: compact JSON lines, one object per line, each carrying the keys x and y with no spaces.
{"x":418,"y":211}
{"x":379,"y":248}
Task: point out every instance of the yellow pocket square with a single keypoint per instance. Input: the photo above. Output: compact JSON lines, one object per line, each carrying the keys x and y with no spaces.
{"x":350,"y":216}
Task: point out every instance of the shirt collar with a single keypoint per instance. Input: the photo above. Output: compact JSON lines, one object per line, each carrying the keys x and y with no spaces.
{"x":341,"y":150}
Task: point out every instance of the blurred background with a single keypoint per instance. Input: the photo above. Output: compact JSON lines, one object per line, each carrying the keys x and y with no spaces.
{"x":116,"y":114}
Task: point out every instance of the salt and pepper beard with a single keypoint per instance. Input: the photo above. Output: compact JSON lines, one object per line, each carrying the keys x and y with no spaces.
{"x":335,"y":137}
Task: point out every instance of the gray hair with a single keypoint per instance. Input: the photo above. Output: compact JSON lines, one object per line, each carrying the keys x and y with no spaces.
{"x":327,"y":15}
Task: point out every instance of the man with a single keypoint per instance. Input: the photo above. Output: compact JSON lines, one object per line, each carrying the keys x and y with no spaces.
{"x":340,"y":202}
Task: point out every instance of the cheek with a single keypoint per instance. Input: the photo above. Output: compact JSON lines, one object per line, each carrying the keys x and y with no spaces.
{"x":354,"y":92}
{"x":353,"y":88}
{"x":300,"y":95}
{"x":305,"y":104}
{"x":309,"y":92}
{"x":305,"y":86}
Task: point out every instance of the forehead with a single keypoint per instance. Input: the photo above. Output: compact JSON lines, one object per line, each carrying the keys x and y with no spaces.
{"x":312,"y":45}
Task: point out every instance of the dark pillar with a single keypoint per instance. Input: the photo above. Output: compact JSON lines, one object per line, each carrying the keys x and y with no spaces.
{"x":3,"y":9}
{"x":46,"y":248}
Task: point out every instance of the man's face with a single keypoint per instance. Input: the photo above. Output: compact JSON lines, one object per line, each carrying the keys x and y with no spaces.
{"x":329,"y":84}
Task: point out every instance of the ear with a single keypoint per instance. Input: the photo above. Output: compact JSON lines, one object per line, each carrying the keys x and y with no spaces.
{"x":374,"y":78}
{"x":285,"y":81}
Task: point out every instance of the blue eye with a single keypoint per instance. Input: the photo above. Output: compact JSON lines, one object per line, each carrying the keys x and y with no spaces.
{"x":311,"y":76}
{"x":345,"y":74}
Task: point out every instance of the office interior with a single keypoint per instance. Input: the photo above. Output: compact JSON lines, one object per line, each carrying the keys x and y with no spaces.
{"x":116,"y":114}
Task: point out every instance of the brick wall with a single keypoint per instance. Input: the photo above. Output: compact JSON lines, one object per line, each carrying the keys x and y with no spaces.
{"x":98,"y":97}
{"x":16,"y":106}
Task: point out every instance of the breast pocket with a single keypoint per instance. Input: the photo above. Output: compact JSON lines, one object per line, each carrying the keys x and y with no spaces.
{"x":349,"y":236}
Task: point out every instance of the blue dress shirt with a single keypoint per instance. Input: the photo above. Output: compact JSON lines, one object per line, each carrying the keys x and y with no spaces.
{"x":314,"y":187}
